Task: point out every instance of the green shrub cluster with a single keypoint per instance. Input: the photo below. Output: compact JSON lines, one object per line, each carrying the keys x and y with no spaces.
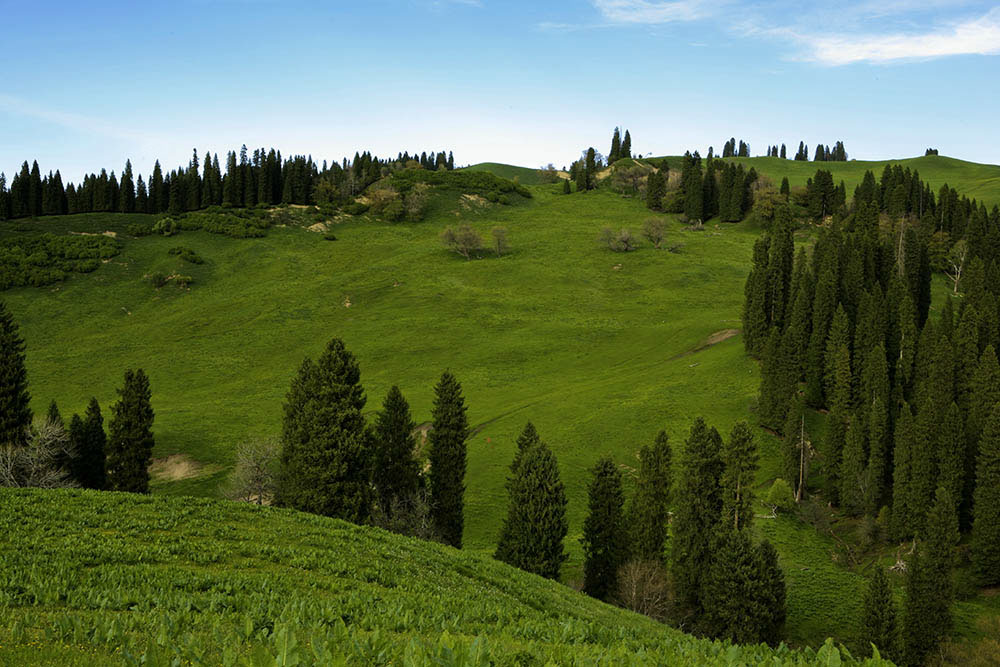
{"x":43,"y":259}
{"x":482,"y":183}
{"x":234,"y":223}
{"x":187,"y":254}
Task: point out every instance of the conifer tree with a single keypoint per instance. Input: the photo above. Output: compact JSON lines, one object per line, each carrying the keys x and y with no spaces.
{"x":566,"y":187}
{"x":771,"y":594}
{"x":929,"y":594}
{"x":655,"y":190}
{"x":923,"y":464}
{"x":15,"y":402}
{"x":449,"y":431}
{"x":693,"y":190}
{"x":836,"y":442}
{"x":627,"y":145}
{"x":649,"y":512}
{"x":157,"y":193}
{"x":740,"y":458}
{"x":325,"y":444}
{"x":905,"y":435}
{"x":698,"y":515}
{"x":54,"y":417}
{"x":986,"y":508}
{"x":590,"y":169}
{"x":528,"y":438}
{"x":730,"y":590}
{"x":824,"y":307}
{"x":605,"y":541}
{"x":755,"y":309}
{"x":852,"y":469}
{"x":130,"y":436}
{"x":89,"y":464}
{"x":532,"y":534}
{"x":778,"y":380}
{"x":878,"y":623}
{"x":616,"y":147}
{"x":396,"y":474}
{"x":951,"y":451}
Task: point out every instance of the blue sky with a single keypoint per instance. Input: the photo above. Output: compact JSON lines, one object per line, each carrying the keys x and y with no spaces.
{"x":88,"y":85}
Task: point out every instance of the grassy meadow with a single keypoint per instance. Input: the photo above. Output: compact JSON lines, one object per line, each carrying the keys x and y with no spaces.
{"x":599,"y":349}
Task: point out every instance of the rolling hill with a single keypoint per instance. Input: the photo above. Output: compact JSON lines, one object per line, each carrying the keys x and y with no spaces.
{"x":93,"y":578}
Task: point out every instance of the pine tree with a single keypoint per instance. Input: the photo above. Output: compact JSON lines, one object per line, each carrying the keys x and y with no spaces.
{"x":731,"y":590}
{"x":533,"y":532}
{"x":779,"y":380}
{"x":698,"y":514}
{"x":755,"y":309}
{"x":852,"y":470}
{"x":649,"y":512}
{"x":878,"y":623}
{"x":53,"y":416}
{"x":740,"y":458}
{"x":950,"y":446}
{"x":396,"y":474}
{"x":693,"y":190}
{"x":655,"y":190}
{"x":89,"y":464}
{"x":986,"y":508}
{"x":836,"y":442}
{"x":605,"y":540}
{"x":616,"y":147}
{"x":771,"y":594}
{"x":902,"y":523}
{"x":627,"y":145}
{"x":449,"y":431}
{"x":325,"y":445}
{"x":590,"y":169}
{"x":126,"y":203}
{"x":130,"y":436}
{"x":15,"y":402}
{"x":929,"y":593}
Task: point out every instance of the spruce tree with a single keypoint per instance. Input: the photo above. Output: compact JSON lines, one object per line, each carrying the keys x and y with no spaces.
{"x":90,"y":461}
{"x":325,"y":444}
{"x":986,"y":508}
{"x":605,"y":540}
{"x":130,"y":436}
{"x":878,"y":622}
{"x":740,"y":458}
{"x":616,"y":147}
{"x":449,"y":431}
{"x":902,"y":523}
{"x":951,"y":451}
{"x":698,"y":514}
{"x":852,"y":469}
{"x":15,"y":408}
{"x":53,"y":416}
{"x":396,"y":474}
{"x":627,"y":145}
{"x":655,"y":190}
{"x":531,"y":537}
{"x":730,"y":590}
{"x":755,"y":309}
{"x":771,"y":594}
{"x":929,"y":594}
{"x":649,"y":512}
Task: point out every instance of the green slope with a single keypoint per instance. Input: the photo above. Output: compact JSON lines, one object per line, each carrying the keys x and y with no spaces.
{"x":106,"y":578}
{"x":523,"y":175}
{"x":979,"y":181}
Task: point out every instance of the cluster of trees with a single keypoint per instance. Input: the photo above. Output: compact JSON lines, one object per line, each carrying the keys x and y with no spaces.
{"x":260,"y":177}
{"x":720,"y":188}
{"x":332,"y":462}
{"x":822,"y":154}
{"x":466,"y":241}
{"x":730,"y":149}
{"x":49,"y":453}
{"x":583,"y":172}
{"x":620,"y":148}
{"x":913,"y":431}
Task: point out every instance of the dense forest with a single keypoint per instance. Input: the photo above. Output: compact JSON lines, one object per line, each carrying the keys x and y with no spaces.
{"x":260,"y":177}
{"x":912,"y":440}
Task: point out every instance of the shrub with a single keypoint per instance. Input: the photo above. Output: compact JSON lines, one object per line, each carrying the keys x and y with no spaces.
{"x":356,"y":208}
{"x":780,"y":496}
{"x":157,"y":279}
{"x":187,"y":254}
{"x":655,"y":229}
{"x":182,"y":281}
{"x":623,"y":241}
{"x":42,"y":259}
{"x":464,"y":240}
{"x":643,"y":588}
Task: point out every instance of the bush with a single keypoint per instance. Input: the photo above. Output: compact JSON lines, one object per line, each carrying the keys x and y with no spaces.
{"x":464,"y":240}
{"x":356,"y":208}
{"x":643,"y":588}
{"x":157,"y":279}
{"x":186,"y":254}
{"x":139,"y":229}
{"x":780,"y":496}
{"x":182,"y":281}
{"x":623,"y":241}
{"x":42,"y":259}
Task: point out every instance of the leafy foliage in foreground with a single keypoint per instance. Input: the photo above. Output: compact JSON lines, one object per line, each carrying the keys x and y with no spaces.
{"x":107,"y":578}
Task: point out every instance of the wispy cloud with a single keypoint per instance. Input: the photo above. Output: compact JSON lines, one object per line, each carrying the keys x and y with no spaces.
{"x":73,"y":121}
{"x":653,"y":12}
{"x":972,"y":37}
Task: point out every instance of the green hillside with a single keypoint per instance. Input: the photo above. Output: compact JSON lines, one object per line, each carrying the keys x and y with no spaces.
{"x":979,"y":181}
{"x":599,"y":349}
{"x":523,"y":175}
{"x":105,"y":578}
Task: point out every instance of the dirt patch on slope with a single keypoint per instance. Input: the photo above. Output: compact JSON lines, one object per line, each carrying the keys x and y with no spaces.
{"x":714,"y":339}
{"x":176,"y":467}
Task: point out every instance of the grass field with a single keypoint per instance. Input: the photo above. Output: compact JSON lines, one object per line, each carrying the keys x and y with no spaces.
{"x":600,"y":350}
{"x":161,"y":581}
{"x":523,"y":175}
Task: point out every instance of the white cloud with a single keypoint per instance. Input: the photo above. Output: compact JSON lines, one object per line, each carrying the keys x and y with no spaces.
{"x":654,"y":11}
{"x":975,"y":37}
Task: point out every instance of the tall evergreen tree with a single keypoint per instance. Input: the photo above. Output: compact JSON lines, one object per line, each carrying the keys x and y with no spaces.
{"x":902,"y":523}
{"x":929,"y":593}
{"x":616,"y":147}
{"x":533,"y":532}
{"x":605,"y":540}
{"x":698,"y":515}
{"x":852,"y":469}
{"x":54,"y":417}
{"x":325,"y":444}
{"x":655,"y":191}
{"x":627,"y":145}
{"x":90,"y":461}
{"x":740,"y":458}
{"x":649,"y":512}
{"x":771,"y":594}
{"x":986,"y":509}
{"x":878,"y":622}
{"x":15,"y":401}
{"x":396,"y":474}
{"x":130,"y":437}
{"x":449,"y":431}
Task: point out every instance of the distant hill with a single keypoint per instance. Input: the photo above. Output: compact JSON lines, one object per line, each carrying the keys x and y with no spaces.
{"x":109,"y":578}
{"x":979,"y":181}
{"x":524,"y":175}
